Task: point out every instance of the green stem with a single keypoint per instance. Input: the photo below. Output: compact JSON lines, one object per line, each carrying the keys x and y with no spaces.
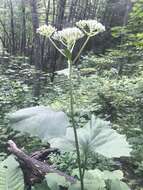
{"x":82,"y":48}
{"x":84,"y":164}
{"x":57,"y":47}
{"x":74,"y":124}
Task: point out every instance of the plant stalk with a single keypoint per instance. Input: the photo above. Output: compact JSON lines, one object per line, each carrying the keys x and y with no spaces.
{"x":84,"y":164}
{"x":54,"y":44}
{"x":74,"y":124}
{"x":82,"y":48}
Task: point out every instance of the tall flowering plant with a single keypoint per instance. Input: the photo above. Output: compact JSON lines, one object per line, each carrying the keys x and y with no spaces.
{"x":67,"y":38}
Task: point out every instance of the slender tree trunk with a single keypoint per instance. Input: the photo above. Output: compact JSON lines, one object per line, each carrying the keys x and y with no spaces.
{"x":59,"y":25}
{"x":47,"y":7}
{"x":23,"y":38}
{"x":72,"y":10}
{"x":7,"y":37}
{"x":60,"y":14}
{"x":85,"y":9}
{"x":47,"y":11}
{"x":36,"y":47}
{"x":125,"y":20}
{"x":13,"y":50}
{"x":54,"y":12}
{"x":36,"y":38}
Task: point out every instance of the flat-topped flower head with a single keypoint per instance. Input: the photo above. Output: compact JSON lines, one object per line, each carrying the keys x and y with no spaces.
{"x":46,"y":30}
{"x":68,"y":36}
{"x":90,"y":27}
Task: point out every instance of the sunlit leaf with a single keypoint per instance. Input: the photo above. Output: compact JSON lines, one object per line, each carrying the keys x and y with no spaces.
{"x":54,"y":181}
{"x":96,"y":137}
{"x":118,"y":185}
{"x":40,"y":121}
{"x":11,"y":176}
{"x":93,"y":180}
{"x":41,"y":186}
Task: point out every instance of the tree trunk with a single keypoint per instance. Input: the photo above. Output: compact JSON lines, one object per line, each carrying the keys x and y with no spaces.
{"x":12,"y":27}
{"x":23,"y":38}
{"x":47,"y":11}
{"x":36,"y":57}
{"x":59,"y":25}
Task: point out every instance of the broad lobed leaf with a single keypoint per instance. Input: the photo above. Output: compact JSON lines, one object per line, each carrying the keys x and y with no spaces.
{"x":40,"y":121}
{"x":11,"y":176}
{"x":96,"y":137}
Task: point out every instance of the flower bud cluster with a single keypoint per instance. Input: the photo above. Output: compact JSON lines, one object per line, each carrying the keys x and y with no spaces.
{"x":46,"y":31}
{"x":90,"y":27}
{"x":69,"y":36}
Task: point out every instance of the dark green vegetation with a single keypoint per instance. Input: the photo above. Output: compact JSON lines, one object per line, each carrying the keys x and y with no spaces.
{"x":107,"y":80}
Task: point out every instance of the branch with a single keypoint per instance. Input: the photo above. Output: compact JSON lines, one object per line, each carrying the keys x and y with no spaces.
{"x":42,"y":154}
{"x":33,"y":169}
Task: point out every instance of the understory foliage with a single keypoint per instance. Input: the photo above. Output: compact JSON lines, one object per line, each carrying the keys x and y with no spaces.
{"x":108,"y":104}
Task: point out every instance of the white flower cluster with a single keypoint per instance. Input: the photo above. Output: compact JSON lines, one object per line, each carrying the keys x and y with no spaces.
{"x":68,"y":36}
{"x":46,"y":30}
{"x":90,"y":27}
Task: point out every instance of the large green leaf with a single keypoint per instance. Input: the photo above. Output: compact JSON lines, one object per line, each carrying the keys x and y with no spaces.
{"x":117,"y":174}
{"x":96,"y":179}
{"x":93,"y":180}
{"x":11,"y":176}
{"x":40,"y":121}
{"x":96,"y":137}
{"x":54,"y":181}
{"x":89,"y":184}
{"x":41,"y":186}
{"x":118,"y":185}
